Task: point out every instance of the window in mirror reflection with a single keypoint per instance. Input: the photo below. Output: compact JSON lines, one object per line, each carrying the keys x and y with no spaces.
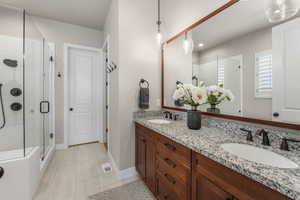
{"x":263,"y":74}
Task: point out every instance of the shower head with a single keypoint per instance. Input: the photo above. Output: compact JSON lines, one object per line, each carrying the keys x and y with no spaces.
{"x":10,"y":63}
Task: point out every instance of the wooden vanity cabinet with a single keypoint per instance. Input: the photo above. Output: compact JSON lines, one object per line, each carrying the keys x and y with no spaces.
{"x":212,"y":180}
{"x":173,"y":172}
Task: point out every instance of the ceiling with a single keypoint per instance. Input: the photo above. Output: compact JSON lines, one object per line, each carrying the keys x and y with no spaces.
{"x":88,"y":13}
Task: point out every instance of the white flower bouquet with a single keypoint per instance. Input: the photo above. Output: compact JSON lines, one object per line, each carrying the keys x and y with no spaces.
{"x":195,"y":96}
{"x":217,"y":94}
{"x":190,"y":95}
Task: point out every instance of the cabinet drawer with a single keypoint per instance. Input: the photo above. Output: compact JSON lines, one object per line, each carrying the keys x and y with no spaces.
{"x":166,"y":164}
{"x":174,"y":151}
{"x":164,"y":192}
{"x":180,"y":188}
{"x":238,"y":185}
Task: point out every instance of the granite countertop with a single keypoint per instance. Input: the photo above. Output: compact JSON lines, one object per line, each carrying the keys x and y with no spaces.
{"x":207,"y":142}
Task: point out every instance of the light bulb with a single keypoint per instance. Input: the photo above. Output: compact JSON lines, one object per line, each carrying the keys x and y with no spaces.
{"x":159,"y":37}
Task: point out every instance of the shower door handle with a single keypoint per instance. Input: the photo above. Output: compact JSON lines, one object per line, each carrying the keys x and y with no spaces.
{"x":1,"y":172}
{"x":42,"y":105}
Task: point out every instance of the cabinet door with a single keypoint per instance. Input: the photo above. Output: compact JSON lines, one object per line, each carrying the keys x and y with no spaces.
{"x":141,"y":155}
{"x":204,"y":189}
{"x":150,"y":165}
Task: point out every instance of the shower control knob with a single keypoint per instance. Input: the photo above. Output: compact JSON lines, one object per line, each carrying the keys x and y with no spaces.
{"x":16,"y":106}
{"x":16,"y":92}
{"x":1,"y":172}
{"x":71,"y":109}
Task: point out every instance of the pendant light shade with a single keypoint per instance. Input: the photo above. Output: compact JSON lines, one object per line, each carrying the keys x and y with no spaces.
{"x":188,"y":44}
{"x":280,"y":10}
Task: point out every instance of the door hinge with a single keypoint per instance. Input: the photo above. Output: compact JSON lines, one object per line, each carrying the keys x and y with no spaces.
{"x":106,"y":83}
{"x":106,"y":130}
{"x":51,"y":135}
{"x":106,"y":107}
{"x":51,"y":59}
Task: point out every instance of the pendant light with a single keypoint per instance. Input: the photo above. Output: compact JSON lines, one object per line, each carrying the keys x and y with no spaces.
{"x":280,"y":10}
{"x":188,"y":44}
{"x":158,"y":22}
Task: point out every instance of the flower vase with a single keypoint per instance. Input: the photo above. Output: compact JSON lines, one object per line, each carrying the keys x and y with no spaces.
{"x":213,"y":109}
{"x":194,"y":118}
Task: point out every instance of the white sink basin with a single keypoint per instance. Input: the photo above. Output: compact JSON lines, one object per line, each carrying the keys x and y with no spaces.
{"x":159,"y":121}
{"x":259,"y":155}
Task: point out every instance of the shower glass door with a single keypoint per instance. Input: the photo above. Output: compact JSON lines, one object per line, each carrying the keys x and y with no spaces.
{"x":33,"y":86}
{"x":46,"y":106}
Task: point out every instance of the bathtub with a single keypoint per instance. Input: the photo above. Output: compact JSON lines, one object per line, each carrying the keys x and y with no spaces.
{"x":22,"y":175}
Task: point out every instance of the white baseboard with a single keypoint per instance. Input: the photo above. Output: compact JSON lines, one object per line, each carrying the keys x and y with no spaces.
{"x":128,"y":173}
{"x":125,"y":173}
{"x":60,"y":146}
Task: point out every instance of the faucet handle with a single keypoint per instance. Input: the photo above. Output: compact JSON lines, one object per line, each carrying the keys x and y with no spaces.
{"x":285,"y":145}
{"x":249,"y":134}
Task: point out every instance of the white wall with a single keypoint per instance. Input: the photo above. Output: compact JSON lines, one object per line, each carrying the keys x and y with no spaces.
{"x":111,"y":31}
{"x":60,"y":33}
{"x":139,"y":57}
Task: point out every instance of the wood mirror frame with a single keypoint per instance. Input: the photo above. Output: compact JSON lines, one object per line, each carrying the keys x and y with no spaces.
{"x":231,"y":117}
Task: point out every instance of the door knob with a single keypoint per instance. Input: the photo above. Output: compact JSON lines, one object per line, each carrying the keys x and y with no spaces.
{"x":275,"y":114}
{"x":1,"y":172}
{"x":71,"y":109}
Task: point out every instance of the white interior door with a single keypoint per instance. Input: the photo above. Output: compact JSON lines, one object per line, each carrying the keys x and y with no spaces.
{"x":286,"y":70}
{"x":84,"y":89}
{"x":232,"y":81}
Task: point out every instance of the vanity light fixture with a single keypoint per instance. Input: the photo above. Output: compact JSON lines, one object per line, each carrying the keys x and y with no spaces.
{"x":158,"y":22}
{"x":280,"y":10}
{"x":188,"y":44}
{"x":201,"y":45}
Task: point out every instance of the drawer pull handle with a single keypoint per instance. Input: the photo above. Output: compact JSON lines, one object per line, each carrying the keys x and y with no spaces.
{"x":165,"y":196}
{"x":170,"y":179}
{"x":170,"y":162}
{"x":171,"y":147}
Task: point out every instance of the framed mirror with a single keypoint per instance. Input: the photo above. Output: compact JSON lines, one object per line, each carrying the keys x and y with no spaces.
{"x":248,"y":49}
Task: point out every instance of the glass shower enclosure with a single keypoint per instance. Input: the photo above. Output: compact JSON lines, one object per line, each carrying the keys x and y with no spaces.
{"x":25,"y":87}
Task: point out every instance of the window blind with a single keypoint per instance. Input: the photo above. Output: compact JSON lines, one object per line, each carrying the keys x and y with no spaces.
{"x":221,"y":74}
{"x":264,"y":83}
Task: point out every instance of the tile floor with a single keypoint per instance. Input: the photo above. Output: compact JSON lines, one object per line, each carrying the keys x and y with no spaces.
{"x":76,"y":174}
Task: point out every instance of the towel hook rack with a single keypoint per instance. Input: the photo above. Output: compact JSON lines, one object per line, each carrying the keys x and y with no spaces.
{"x":143,"y":82}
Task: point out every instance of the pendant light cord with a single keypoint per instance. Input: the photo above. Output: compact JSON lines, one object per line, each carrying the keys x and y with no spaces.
{"x":158,"y":16}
